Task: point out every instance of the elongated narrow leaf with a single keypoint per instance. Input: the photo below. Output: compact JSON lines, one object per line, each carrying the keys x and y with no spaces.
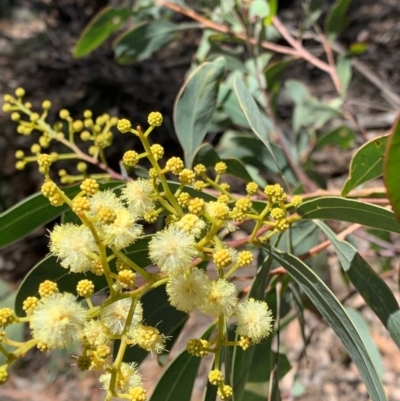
{"x":392,"y":168}
{"x":342,"y":136}
{"x":146,"y":38}
{"x":259,"y":123}
{"x":371,"y":287}
{"x":336,"y":19}
{"x":195,"y":106}
{"x":33,"y":212}
{"x":178,"y":380}
{"x":211,"y":392}
{"x":336,"y":316}
{"x":100,"y":28}
{"x":366,"y":164}
{"x":364,"y":330}
{"x":243,"y":360}
{"x":335,"y":208}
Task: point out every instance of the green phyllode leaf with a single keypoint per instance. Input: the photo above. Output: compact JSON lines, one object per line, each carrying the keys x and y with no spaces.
{"x":178,"y":380}
{"x":34,"y":212}
{"x":371,"y":287}
{"x":366,"y":164}
{"x":336,"y":316}
{"x":365,"y":333}
{"x":99,"y":29}
{"x":342,"y":136}
{"x":258,"y":122}
{"x":352,"y":211}
{"x":336,"y":20}
{"x":195,"y":106}
{"x":146,"y":38}
{"x":391,"y":169}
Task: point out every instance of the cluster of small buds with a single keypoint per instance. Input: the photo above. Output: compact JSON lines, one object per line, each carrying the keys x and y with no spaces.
{"x":224,"y":199}
{"x":225,"y":392}
{"x":157,"y":151}
{"x":183,"y":199}
{"x":126,"y":279}
{"x":155,"y":119}
{"x":175,"y":165}
{"x":80,"y":205}
{"x":220,"y":168}
{"x":30,"y":304}
{"x":222,"y":258}
{"x":297,"y":200}
{"x":131,"y":158}
{"x":243,"y":204}
{"x":89,"y":186}
{"x":275,"y":193}
{"x":85,"y":288}
{"x":196,"y":206}
{"x":197,"y":347}
{"x":137,"y":394}
{"x":3,"y":374}
{"x":245,"y":258}
{"x":7,"y":317}
{"x":245,"y":342}
{"x":187,"y":176}
{"x":199,"y":185}
{"x":106,"y":215}
{"x":200,"y":169}
{"x":277,"y":213}
{"x":84,"y":362}
{"x":215,"y":377}
{"x":49,"y":188}
{"x":47,"y":288}
{"x":251,"y":188}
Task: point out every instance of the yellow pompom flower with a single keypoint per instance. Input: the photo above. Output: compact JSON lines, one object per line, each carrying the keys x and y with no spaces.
{"x":220,"y":300}
{"x":188,"y":291}
{"x":73,"y":245}
{"x":148,"y":338}
{"x":128,"y":377}
{"x":254,"y":319}
{"x":96,"y":333}
{"x":138,"y":196}
{"x":173,"y":250}
{"x":191,"y":224}
{"x":58,"y":321}
{"x":114,"y":316}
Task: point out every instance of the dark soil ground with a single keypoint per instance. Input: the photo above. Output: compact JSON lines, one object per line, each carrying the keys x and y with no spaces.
{"x":36,"y":38}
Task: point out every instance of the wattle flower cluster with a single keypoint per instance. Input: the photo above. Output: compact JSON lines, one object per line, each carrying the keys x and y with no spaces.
{"x":196,"y":230}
